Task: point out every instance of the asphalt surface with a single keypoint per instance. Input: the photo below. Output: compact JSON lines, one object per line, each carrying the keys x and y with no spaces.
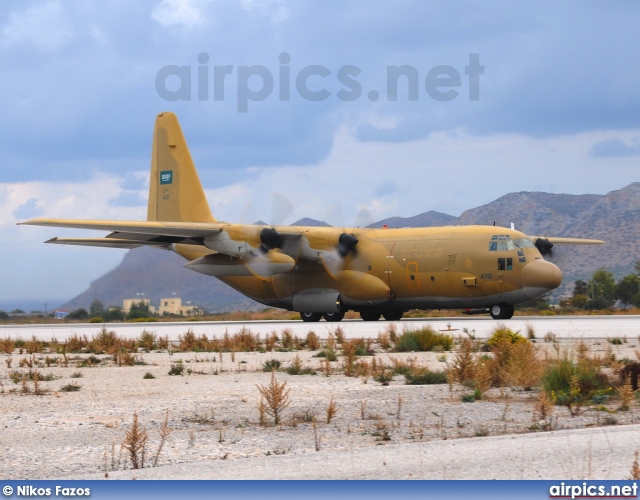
{"x":571,"y":327}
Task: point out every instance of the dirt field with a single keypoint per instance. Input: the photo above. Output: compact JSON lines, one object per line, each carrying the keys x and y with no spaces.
{"x":210,"y":411}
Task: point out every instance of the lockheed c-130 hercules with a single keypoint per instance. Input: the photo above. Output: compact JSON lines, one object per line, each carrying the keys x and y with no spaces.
{"x":326,"y":271}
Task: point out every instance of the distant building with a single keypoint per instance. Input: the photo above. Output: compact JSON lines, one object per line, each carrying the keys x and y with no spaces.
{"x":60,"y":314}
{"x":170,"y":306}
{"x":174,"y":306}
{"x":127,"y":304}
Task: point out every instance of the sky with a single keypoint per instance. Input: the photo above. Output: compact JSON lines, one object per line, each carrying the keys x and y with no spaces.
{"x":340,"y":107}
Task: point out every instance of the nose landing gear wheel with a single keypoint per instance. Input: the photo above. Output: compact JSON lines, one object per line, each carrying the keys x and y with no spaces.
{"x":333,"y":317}
{"x":502,"y":311}
{"x":310,"y":317}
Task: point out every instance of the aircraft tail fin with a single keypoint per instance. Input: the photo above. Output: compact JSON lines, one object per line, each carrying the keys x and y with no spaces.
{"x":175,"y":192}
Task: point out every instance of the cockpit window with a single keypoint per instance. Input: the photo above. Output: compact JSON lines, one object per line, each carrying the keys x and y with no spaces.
{"x":523,"y":243}
{"x":501,"y":242}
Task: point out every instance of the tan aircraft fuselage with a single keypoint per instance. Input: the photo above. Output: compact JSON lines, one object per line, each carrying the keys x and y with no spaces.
{"x":401,"y":269}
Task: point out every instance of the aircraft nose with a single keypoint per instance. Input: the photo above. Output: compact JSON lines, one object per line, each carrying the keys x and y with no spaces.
{"x":539,"y":277}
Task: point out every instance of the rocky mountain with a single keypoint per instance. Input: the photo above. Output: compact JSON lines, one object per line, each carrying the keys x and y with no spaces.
{"x":614,"y":217}
{"x":431,"y":218}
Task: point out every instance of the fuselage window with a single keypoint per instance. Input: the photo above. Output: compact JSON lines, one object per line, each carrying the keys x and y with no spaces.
{"x":505,"y":264}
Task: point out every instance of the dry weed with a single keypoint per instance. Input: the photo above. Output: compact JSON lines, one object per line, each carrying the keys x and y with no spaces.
{"x":276,"y":397}
{"x":135,"y":442}
{"x":165,"y":431}
{"x":635,"y":468}
{"x":626,"y":393}
{"x":332,"y":409}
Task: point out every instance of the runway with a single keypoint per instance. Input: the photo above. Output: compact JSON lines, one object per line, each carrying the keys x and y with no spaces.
{"x":563,"y":327}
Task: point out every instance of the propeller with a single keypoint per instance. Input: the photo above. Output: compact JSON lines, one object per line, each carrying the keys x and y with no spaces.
{"x":269,"y":259}
{"x":336,"y":256}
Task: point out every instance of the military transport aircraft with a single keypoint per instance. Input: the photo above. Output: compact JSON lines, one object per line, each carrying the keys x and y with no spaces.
{"x":322,"y":272}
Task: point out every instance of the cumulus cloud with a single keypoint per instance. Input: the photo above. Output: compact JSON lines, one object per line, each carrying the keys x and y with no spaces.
{"x":614,"y":148}
{"x":275,"y":10}
{"x":42,"y":25}
{"x":93,"y":199}
{"x":186,"y":13}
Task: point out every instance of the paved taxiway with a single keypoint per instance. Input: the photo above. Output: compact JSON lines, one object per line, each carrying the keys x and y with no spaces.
{"x":565,"y":327}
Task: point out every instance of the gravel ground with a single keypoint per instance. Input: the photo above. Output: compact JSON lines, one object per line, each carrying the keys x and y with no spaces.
{"x":395,"y":431}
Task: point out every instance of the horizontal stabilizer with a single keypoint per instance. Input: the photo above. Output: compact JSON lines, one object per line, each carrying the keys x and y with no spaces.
{"x":103,"y":242}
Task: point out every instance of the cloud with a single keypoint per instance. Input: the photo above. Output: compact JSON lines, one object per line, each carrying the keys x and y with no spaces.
{"x":28,"y":209}
{"x":614,"y":148}
{"x":275,"y":10}
{"x":42,"y":25}
{"x":185,"y":13}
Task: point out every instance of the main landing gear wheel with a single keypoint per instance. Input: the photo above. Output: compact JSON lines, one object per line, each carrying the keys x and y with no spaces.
{"x":310,"y":317}
{"x":502,"y":311}
{"x":393,"y":315}
{"x":334,"y":316}
{"x":370,"y":315}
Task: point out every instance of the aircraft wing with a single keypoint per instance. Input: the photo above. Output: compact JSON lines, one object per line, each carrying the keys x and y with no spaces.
{"x":155,"y":228}
{"x":568,"y":241}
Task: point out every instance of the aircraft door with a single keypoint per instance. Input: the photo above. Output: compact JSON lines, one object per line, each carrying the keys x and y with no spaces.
{"x":412,"y":276}
{"x":389,"y":271}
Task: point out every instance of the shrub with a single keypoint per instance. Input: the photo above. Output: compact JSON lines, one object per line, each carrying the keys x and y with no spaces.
{"x":515,"y":364}
{"x":71,"y":387}
{"x":297,"y":367}
{"x":424,"y":339}
{"x":327,"y":353}
{"x":571,"y":384}
{"x":425,"y":377}
{"x":312,"y":341}
{"x":147,"y":340}
{"x":105,"y":340}
{"x":271,"y":365}
{"x":176,"y":368}
{"x":504,"y":335}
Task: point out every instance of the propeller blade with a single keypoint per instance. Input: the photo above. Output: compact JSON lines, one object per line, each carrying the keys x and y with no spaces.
{"x":334,"y":259}
{"x":281,"y":208}
{"x":332,"y":262}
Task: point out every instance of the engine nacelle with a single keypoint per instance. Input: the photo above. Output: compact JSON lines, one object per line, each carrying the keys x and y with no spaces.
{"x":236,"y":244}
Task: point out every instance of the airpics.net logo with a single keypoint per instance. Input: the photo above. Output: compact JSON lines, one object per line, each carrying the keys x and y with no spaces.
{"x":311,"y":83}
